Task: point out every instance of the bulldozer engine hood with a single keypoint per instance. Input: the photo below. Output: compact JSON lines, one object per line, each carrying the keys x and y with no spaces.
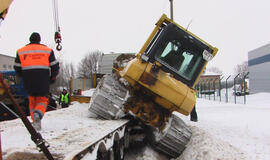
{"x":166,"y":90}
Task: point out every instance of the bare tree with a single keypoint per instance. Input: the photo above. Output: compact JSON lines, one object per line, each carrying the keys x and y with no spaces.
{"x":89,"y":64}
{"x":66,"y":71}
{"x":241,"y":69}
{"x":72,"y":70}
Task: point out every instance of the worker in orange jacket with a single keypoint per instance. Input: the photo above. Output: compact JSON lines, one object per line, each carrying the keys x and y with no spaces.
{"x":37,"y":65}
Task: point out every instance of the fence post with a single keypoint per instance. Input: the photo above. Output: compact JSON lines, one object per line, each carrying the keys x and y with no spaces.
{"x":209,"y":86}
{"x":227,"y":89}
{"x":83,"y":84}
{"x":214,"y":84}
{"x":196,"y":88}
{"x":71,"y":85}
{"x":204,"y":88}
{"x":234,"y":87}
{"x":245,"y":87}
{"x":220,"y":88}
{"x":201,"y":89}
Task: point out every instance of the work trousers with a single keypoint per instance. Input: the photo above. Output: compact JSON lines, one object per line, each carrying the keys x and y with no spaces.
{"x":64,"y":105}
{"x":37,"y":105}
{"x":193,"y":114}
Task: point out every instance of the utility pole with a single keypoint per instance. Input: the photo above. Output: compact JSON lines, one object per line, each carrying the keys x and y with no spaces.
{"x":171,"y":1}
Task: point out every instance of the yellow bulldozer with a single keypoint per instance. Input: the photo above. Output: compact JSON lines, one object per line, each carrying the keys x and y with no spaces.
{"x":155,"y":84}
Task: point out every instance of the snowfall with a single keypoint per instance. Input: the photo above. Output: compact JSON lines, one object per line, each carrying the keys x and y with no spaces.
{"x":224,"y":131}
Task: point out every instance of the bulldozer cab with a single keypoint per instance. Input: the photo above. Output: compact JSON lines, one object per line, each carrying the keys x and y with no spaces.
{"x":179,"y":53}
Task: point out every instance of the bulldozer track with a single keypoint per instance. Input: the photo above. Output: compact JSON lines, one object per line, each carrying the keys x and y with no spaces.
{"x":108,"y":101}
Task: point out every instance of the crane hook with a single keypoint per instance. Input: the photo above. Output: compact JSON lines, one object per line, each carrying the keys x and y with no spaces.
{"x":59,"y":47}
{"x":58,"y":40}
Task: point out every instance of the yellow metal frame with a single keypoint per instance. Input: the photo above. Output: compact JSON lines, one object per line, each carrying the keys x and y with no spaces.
{"x":171,"y":94}
{"x":4,"y":5}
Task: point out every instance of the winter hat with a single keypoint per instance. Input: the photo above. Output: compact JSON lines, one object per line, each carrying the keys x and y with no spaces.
{"x":34,"y":38}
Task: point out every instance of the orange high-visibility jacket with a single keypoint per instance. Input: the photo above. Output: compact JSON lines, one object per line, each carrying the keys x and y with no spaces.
{"x":37,"y":65}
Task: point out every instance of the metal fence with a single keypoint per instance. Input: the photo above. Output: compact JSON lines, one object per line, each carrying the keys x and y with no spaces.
{"x":80,"y":84}
{"x":231,"y":89}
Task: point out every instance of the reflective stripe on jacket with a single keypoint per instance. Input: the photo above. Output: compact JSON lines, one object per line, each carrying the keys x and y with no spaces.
{"x":64,"y":98}
{"x":34,"y":56}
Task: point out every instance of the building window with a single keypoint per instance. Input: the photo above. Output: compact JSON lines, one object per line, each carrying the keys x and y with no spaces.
{"x":9,"y":67}
{"x":4,"y":66}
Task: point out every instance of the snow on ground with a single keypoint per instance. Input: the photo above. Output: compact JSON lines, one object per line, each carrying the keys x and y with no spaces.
{"x":225,"y":131}
{"x":88,"y":92}
{"x":241,"y":129}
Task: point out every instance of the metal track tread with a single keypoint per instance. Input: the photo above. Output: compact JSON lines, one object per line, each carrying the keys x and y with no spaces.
{"x":173,"y":139}
{"x":107,"y":100}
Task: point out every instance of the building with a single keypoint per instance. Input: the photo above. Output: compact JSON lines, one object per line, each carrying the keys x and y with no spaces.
{"x":209,"y":80}
{"x":6,"y":62}
{"x":259,"y":69}
{"x":208,"y":76}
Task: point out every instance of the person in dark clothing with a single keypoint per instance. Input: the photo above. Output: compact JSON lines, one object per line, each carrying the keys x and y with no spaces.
{"x":52,"y":104}
{"x":37,"y":65}
{"x":193,"y":115}
{"x":64,"y":99}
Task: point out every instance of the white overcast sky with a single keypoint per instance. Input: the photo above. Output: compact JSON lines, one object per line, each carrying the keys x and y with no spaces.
{"x":233,"y":26}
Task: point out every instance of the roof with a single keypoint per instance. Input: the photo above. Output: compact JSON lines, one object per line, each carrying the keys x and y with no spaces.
{"x":209,"y":73}
{"x":6,"y":56}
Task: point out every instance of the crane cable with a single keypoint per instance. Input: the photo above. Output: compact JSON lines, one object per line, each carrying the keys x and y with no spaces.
{"x":57,"y":35}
